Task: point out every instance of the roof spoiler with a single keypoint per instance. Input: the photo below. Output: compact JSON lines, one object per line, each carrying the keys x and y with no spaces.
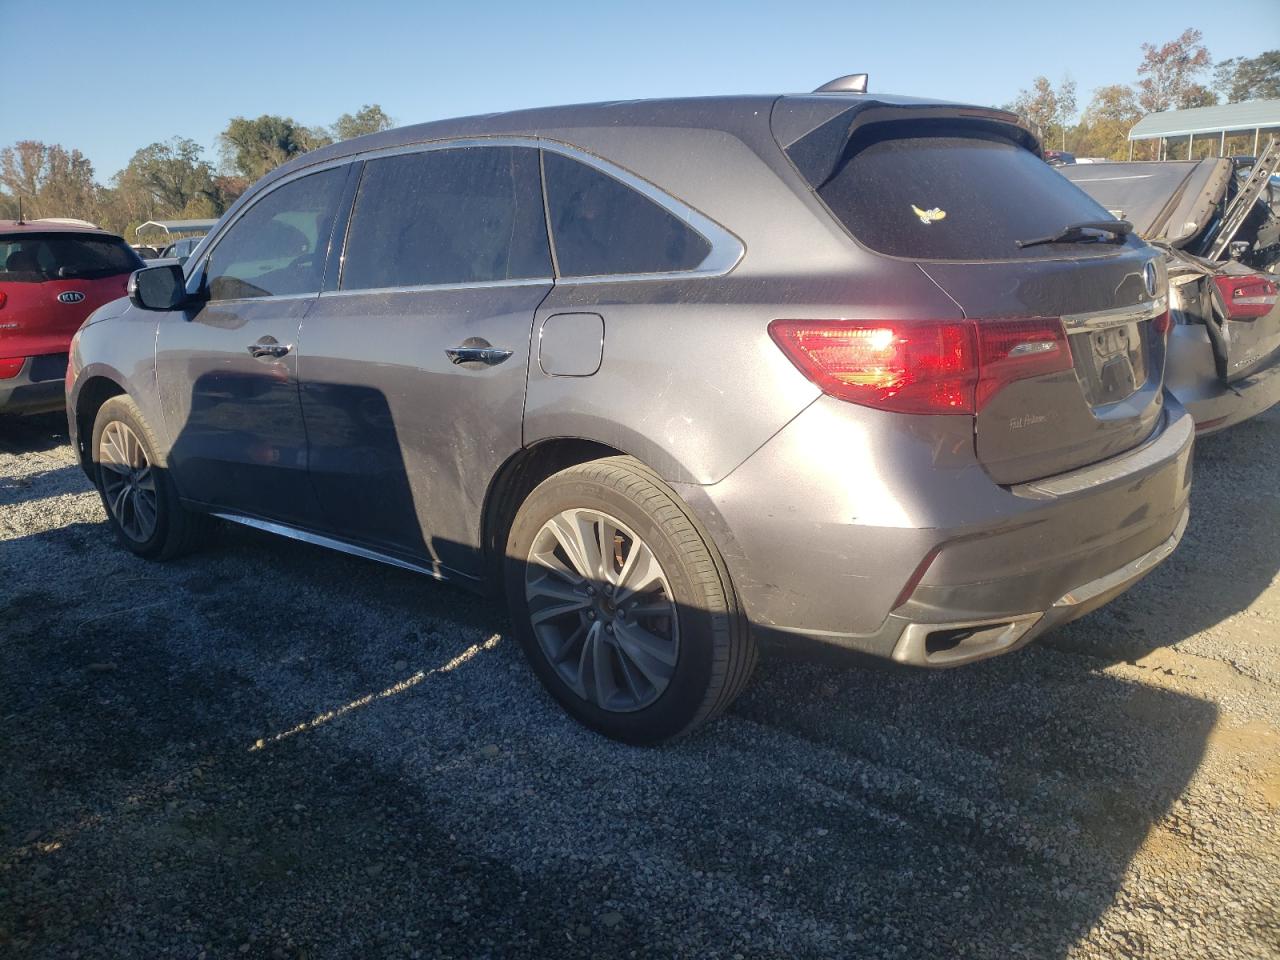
{"x":850,"y":83}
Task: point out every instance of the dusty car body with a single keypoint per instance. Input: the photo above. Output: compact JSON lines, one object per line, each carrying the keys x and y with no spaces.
{"x":1224,"y":348}
{"x":788,"y":350}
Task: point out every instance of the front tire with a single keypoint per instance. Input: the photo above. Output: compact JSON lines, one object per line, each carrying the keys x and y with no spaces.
{"x":623,"y":605}
{"x":137,"y":492}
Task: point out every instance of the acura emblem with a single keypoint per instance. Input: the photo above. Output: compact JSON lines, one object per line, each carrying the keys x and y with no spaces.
{"x":1149,"y":275}
{"x":71,"y":296}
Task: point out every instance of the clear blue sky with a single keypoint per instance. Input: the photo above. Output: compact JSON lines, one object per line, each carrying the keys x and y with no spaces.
{"x":110,"y":77}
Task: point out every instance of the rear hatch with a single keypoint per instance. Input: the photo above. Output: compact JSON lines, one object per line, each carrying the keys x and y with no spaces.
{"x":954,"y":194}
{"x":51,"y":281}
{"x":1177,"y":204}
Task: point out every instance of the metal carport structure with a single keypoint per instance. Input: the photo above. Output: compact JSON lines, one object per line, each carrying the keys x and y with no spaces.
{"x":177,"y":226}
{"x":1251,"y":116}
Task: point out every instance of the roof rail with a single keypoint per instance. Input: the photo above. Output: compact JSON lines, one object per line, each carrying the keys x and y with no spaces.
{"x":851,"y":83}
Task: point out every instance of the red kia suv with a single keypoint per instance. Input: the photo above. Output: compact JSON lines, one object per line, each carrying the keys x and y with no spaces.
{"x":52,"y":276}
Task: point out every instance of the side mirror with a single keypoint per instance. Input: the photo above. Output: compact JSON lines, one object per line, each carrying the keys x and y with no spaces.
{"x":158,"y":288}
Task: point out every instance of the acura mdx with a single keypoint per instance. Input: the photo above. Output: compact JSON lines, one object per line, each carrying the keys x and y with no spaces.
{"x":679,"y":377}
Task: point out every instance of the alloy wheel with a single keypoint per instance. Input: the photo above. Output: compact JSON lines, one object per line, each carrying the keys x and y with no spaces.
{"x":602,"y":610}
{"x":128,"y":482}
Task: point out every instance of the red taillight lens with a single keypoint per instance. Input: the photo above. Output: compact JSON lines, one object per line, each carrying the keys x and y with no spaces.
{"x":4,"y":298}
{"x":1162,"y":324}
{"x":1011,"y":350}
{"x":925,"y":367}
{"x":11,"y":367}
{"x":939,"y":367}
{"x":1248,"y":297}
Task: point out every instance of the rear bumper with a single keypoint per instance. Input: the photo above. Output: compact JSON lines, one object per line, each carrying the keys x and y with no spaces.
{"x":1216,"y":405}
{"x":890,"y":540}
{"x":38,"y":388}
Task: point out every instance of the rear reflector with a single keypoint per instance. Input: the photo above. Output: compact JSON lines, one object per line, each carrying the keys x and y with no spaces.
{"x":11,"y":367}
{"x":938,"y":367}
{"x":1247,"y":298}
{"x":1162,"y":323}
{"x":4,"y":298}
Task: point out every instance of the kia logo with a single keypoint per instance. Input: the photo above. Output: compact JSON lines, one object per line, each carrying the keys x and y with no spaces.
{"x":71,"y":296}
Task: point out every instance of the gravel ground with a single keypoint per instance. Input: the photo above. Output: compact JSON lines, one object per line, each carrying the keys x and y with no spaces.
{"x":269,"y":750}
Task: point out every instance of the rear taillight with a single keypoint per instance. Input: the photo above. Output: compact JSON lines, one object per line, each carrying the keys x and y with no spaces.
{"x":1248,"y":297}
{"x":4,"y":298}
{"x":11,"y":367}
{"x":1162,"y":323}
{"x":939,"y":367}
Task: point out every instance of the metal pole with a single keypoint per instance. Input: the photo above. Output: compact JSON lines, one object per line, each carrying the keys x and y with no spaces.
{"x":1130,"y":150}
{"x":1257,"y":130}
{"x":1191,"y":138}
{"x":1222,"y":146}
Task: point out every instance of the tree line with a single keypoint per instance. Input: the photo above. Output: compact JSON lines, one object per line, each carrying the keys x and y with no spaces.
{"x":168,"y":180}
{"x":171,"y":180}
{"x":1170,"y":76}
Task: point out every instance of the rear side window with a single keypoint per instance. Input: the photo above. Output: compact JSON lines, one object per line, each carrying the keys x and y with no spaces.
{"x":461,"y":215}
{"x":278,"y":247}
{"x":35,"y":258}
{"x":602,"y":227}
{"x":956,"y":197}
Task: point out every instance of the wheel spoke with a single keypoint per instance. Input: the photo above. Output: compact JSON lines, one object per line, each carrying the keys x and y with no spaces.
{"x":568,"y":531}
{"x":115,"y":467}
{"x":602,"y":673}
{"x":624,"y":662}
{"x":551,"y":585}
{"x":655,"y":657}
{"x":553,"y":610}
{"x":640,"y":574}
{"x":144,"y":508}
{"x":112,"y":447}
{"x":588,"y":653}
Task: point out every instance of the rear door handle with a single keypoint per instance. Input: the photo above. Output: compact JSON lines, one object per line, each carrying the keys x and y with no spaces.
{"x":268,"y":347}
{"x":490,"y":356}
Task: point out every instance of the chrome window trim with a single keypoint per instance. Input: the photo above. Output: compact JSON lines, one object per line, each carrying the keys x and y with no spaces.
{"x":274,"y":298}
{"x":726,"y":252}
{"x":430,"y":287}
{"x":1115,"y":316}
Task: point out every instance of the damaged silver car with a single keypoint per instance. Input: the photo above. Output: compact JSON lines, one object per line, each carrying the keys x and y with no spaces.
{"x":1218,"y":221}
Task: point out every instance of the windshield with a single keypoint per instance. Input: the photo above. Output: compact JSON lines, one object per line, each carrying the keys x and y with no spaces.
{"x":37,"y":257}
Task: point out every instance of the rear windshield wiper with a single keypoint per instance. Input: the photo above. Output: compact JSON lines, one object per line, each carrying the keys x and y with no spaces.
{"x":1075,"y":232}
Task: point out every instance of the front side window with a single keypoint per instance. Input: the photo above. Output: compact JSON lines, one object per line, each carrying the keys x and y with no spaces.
{"x":37,"y":257}
{"x":455,"y":215}
{"x":602,"y":227}
{"x":277,"y":248}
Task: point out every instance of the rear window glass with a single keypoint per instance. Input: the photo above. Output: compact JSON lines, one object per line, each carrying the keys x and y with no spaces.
{"x":463,"y":215}
{"x":35,"y":258}
{"x":602,"y":227}
{"x":956,"y":197}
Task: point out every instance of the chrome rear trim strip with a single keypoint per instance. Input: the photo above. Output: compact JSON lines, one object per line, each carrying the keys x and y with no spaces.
{"x":1115,"y":317}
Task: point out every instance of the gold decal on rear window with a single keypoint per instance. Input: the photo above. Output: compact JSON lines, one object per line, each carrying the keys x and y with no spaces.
{"x":928,"y":216}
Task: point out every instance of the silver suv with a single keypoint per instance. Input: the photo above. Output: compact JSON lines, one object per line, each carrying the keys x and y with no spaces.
{"x":679,"y":377}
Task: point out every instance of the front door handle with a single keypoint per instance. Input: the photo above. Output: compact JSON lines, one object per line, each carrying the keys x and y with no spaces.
{"x":269,"y":347}
{"x":490,"y":356}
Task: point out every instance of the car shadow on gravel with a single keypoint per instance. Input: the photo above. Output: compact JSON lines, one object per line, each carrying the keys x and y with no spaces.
{"x":33,"y":434}
{"x":1228,"y":557}
{"x":286,"y":750}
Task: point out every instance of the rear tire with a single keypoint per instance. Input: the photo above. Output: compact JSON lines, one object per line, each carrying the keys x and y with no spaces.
{"x":652,"y":643}
{"x":137,"y":492}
